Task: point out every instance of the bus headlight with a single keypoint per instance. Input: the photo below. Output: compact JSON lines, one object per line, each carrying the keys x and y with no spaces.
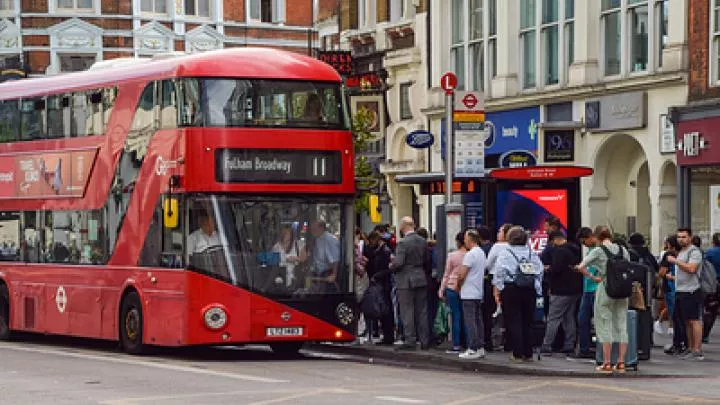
{"x":215,"y":318}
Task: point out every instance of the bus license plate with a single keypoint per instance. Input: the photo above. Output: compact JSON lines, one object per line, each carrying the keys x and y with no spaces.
{"x":283,"y":331}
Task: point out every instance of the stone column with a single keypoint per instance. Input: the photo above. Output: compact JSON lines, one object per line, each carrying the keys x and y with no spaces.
{"x":586,"y":67}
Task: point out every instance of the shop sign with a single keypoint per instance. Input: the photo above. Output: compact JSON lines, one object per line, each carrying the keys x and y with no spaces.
{"x":517,"y":158}
{"x":542,"y":173}
{"x":667,"y":135}
{"x":696,"y":141}
{"x":615,"y":112}
{"x":365,"y":81}
{"x":420,"y":139}
{"x":691,"y":144}
{"x":559,"y":146}
{"x":342,"y":61}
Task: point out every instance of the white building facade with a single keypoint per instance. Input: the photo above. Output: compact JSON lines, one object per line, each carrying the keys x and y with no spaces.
{"x":578,"y":82}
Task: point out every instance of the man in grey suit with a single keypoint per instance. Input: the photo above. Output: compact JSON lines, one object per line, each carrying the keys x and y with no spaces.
{"x":411,"y":285}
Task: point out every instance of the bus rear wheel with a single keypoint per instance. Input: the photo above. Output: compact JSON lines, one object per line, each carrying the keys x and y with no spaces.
{"x":286,"y":348}
{"x":4,"y":313}
{"x":131,"y":324}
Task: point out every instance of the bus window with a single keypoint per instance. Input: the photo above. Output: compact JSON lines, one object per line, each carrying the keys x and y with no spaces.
{"x":81,"y":116}
{"x":190,"y":112}
{"x":58,"y":113}
{"x":169,"y":110}
{"x":9,"y":120}
{"x":109,"y":95}
{"x":31,"y":237}
{"x":32,"y":118}
{"x":9,"y":236}
{"x":262,"y":103}
{"x":144,"y":123}
{"x":96,"y":112}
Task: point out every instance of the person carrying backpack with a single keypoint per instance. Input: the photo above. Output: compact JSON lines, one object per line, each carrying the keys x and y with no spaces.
{"x":518,"y":281}
{"x":610,"y":313}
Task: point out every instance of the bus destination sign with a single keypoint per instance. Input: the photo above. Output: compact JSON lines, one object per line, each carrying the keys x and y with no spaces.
{"x":278,"y":166}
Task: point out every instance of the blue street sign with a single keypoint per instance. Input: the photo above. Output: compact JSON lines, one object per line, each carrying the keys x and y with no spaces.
{"x":420,"y":139}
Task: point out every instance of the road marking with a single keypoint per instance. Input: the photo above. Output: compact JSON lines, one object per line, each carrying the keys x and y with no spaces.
{"x":665,"y":395}
{"x":163,"y":366}
{"x":133,"y":401}
{"x":307,"y":394}
{"x":498,"y":394}
{"x":402,"y":400}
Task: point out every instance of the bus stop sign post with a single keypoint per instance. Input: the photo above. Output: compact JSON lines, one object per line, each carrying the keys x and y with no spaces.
{"x":453,"y":212}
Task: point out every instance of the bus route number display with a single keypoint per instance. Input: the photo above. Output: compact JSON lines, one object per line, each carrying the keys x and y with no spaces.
{"x":278,"y":166}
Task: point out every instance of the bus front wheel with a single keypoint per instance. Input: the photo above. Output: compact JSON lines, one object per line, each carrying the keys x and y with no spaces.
{"x":4,"y":313}
{"x":131,"y":324}
{"x":286,"y":348}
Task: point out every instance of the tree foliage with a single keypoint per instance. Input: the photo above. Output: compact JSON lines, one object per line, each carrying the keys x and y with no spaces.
{"x":361,"y":122}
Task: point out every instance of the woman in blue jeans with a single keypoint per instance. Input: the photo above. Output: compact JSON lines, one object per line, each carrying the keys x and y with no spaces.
{"x":450,"y":292}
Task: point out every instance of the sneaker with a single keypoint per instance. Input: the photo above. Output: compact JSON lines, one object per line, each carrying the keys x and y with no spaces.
{"x":470,"y":354}
{"x":481,"y":352}
{"x":454,"y":350}
{"x":693,"y":356}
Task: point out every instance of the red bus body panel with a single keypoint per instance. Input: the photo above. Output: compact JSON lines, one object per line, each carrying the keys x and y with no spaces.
{"x":173,"y":299}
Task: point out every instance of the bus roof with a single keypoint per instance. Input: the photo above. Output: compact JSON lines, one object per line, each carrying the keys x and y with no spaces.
{"x":252,"y":63}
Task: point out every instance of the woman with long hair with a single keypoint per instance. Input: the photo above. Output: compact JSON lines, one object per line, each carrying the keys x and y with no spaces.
{"x":292,"y":252}
{"x":450,"y":292}
{"x":610,"y":313}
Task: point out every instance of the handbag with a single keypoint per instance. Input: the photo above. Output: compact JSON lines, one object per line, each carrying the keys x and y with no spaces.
{"x":637,"y":299}
{"x":440,"y":324}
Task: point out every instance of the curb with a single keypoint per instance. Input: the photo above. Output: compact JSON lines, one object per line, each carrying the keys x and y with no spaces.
{"x":417,"y":360}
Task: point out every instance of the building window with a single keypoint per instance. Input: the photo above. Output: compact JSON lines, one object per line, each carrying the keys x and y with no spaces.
{"x":366,"y":13}
{"x":547,"y":49}
{"x":627,"y":40}
{"x":715,"y":51}
{"x":197,"y":8}
{"x":473,"y":47}
{"x":269,"y":11}
{"x":405,"y":110}
{"x":662,"y":22}
{"x":154,"y":6}
{"x":7,"y":5}
{"x":75,"y":4}
{"x":397,"y":10}
{"x":76,"y":63}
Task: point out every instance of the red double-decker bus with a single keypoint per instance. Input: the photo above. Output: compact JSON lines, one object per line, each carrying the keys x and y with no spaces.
{"x":194,"y":200}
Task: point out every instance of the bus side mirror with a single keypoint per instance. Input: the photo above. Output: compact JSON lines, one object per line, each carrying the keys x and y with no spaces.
{"x":170,"y":213}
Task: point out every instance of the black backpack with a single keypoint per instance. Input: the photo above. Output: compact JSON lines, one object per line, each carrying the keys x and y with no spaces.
{"x":524,"y":279}
{"x":621,"y":273}
{"x":374,"y":305}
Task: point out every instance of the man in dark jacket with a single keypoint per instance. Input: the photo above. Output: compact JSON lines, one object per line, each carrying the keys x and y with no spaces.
{"x":566,"y":286}
{"x":408,"y":266}
{"x":640,"y":253}
{"x":378,"y":269}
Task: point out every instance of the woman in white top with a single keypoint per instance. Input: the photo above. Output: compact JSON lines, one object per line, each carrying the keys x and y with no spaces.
{"x":292,"y":252}
{"x":498,"y":247}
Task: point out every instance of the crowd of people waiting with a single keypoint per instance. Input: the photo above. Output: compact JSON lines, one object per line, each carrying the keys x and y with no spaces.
{"x":537,"y":295}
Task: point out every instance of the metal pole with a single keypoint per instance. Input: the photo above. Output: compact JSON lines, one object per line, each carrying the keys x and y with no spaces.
{"x":449,"y":139}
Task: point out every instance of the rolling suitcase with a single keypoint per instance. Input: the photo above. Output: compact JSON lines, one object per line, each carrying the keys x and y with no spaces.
{"x":644,"y":333}
{"x":631,"y":357}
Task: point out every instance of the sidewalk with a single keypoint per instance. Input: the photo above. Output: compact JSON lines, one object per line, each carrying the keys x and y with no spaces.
{"x":659,"y":365}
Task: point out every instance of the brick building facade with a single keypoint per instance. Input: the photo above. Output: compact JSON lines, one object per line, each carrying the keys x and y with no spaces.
{"x":53,"y":36}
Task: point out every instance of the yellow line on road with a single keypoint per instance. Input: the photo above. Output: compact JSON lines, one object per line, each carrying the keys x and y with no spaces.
{"x":497,"y":394}
{"x":624,"y":390}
